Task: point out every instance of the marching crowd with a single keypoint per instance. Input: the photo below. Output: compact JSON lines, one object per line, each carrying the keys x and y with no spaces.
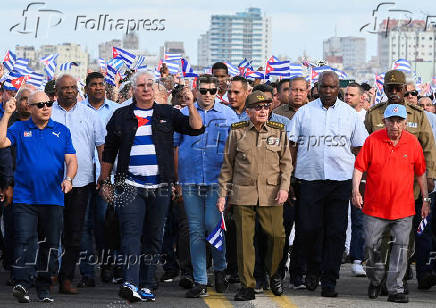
{"x":148,"y":173}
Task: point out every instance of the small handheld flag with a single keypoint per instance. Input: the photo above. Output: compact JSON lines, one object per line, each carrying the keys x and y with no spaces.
{"x":422,"y":226}
{"x":216,"y":237}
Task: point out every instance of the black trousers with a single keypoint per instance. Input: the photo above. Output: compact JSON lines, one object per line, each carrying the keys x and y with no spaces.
{"x":231,"y":249}
{"x":323,"y":223}
{"x":76,"y":202}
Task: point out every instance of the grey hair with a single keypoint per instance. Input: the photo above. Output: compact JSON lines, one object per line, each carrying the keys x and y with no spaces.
{"x":20,"y":93}
{"x":410,"y":81}
{"x":34,"y":93}
{"x":62,"y":77}
{"x":134,"y":78}
{"x":327,"y":73}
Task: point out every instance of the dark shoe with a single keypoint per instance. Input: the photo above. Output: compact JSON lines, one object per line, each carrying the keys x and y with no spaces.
{"x":199,"y":290}
{"x":245,"y":294}
{"x":373,"y":291}
{"x":384,"y":289}
{"x":117,"y":277}
{"x":186,"y":282}
{"x":259,"y":287}
{"x":276,"y":285}
{"x":221,"y":282}
{"x":233,"y":278}
{"x":169,"y":276}
{"x":398,"y":298}
{"x":329,"y":292}
{"x":86,"y":282}
{"x":106,"y":274}
{"x":405,"y":287}
{"x":312,"y":282}
{"x":20,"y":293}
{"x":44,"y":296}
{"x":66,"y":287}
{"x":426,"y":281}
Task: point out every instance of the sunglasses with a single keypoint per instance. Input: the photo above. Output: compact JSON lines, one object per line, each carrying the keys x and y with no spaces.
{"x":259,"y":107}
{"x":413,"y":93}
{"x":203,"y":91}
{"x":42,"y":104}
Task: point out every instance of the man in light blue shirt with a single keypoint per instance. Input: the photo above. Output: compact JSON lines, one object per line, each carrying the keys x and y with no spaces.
{"x":87,"y":132}
{"x":95,"y":214}
{"x":325,"y":132}
{"x":200,"y":158}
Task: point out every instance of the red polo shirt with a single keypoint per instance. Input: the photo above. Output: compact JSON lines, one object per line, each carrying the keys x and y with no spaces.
{"x":390,"y":174}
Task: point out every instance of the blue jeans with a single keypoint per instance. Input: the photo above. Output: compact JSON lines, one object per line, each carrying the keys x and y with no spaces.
{"x":93,"y":227}
{"x":143,"y":218}
{"x":28,"y":219}
{"x":357,"y":241}
{"x":203,"y":217}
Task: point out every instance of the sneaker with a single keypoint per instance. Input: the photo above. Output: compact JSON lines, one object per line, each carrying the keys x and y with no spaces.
{"x":44,"y":296}
{"x":259,"y":287}
{"x":357,"y":269}
{"x":186,"y":282}
{"x":169,"y":276}
{"x":130,"y":292}
{"x":20,"y":293}
{"x":299,"y":285}
{"x":221,"y":282}
{"x":146,"y":295}
{"x":199,"y":290}
{"x":398,"y":298}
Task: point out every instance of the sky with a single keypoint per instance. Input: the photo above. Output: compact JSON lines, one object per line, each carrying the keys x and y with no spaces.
{"x":297,"y":26}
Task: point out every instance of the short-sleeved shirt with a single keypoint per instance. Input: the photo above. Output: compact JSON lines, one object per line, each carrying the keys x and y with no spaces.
{"x":390,"y":174}
{"x":40,"y":161}
{"x":87,"y":132}
{"x":324,"y":138}
{"x":201,"y":157}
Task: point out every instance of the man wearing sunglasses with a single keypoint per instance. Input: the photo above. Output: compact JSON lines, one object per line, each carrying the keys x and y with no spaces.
{"x":43,"y":146}
{"x":255,"y":177}
{"x":199,"y":164}
{"x":418,"y":125}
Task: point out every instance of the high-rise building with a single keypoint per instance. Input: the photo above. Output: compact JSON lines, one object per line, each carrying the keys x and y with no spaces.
{"x":232,"y":38}
{"x":131,"y":41}
{"x":203,"y":50}
{"x":28,"y":52}
{"x":105,"y":49}
{"x":352,"y":51}
{"x":402,"y":39}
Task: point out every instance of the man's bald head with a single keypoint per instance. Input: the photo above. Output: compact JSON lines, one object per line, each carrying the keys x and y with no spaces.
{"x":37,"y":97}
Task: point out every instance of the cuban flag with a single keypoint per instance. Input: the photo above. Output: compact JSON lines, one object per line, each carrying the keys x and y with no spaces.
{"x":172,"y":56}
{"x":187,"y":70}
{"x":318,"y":70}
{"x":341,"y":74}
{"x":173,"y":66}
{"x":102,"y":64}
{"x":402,"y":65}
{"x":156,"y":73}
{"x":22,"y":66}
{"x":140,"y":64}
{"x":67,"y":66}
{"x":124,"y":55}
{"x":278,"y":68}
{"x":9,"y":61}
{"x":115,"y":63}
{"x":35,"y":79}
{"x":216,"y":237}
{"x":50,"y":65}
{"x":233,"y":70}
{"x":422,"y":226}
{"x":296,"y":70}
{"x":111,"y":73}
{"x":244,"y":66}
{"x":249,"y":74}
{"x":14,"y":81}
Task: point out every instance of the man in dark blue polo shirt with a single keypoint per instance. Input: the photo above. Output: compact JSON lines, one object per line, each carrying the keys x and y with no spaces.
{"x":43,"y":146}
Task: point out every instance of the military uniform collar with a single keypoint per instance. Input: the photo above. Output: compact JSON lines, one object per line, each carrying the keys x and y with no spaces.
{"x":264,"y":127}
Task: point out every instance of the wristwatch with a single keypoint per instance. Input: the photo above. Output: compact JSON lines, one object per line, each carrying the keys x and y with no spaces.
{"x":428,"y":199}
{"x":67,"y":178}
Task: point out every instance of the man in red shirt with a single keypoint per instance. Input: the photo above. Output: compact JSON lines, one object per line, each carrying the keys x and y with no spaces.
{"x":391,"y":157}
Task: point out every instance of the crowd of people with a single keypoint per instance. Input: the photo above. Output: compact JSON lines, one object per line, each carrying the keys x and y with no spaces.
{"x":127,"y":178}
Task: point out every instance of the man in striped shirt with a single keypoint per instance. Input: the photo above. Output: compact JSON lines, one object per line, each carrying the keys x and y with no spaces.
{"x":141,"y":134}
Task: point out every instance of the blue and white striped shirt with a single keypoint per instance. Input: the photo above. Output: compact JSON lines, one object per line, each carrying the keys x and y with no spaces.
{"x":143,"y":167}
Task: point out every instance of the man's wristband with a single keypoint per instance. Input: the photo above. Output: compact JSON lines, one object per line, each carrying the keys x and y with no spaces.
{"x":427,"y":199}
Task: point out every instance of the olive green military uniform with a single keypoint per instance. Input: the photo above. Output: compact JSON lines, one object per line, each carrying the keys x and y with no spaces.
{"x":285,"y":110}
{"x":257,"y":164}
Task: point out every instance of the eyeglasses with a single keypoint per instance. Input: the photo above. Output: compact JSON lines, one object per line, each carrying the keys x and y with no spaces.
{"x":203,"y":91}
{"x":413,"y":93}
{"x":259,"y":107}
{"x":42,"y":104}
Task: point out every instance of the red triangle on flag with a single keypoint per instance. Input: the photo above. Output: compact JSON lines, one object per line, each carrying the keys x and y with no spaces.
{"x":142,"y":121}
{"x":7,"y":58}
{"x":114,"y":52}
{"x":17,"y":82}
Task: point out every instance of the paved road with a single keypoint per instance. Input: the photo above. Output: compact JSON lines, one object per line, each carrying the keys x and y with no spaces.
{"x":352,"y":293}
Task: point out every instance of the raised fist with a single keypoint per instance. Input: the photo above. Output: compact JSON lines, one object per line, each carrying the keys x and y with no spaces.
{"x":10,"y":105}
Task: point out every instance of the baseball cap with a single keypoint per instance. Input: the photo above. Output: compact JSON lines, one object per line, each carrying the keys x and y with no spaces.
{"x":395,"y":77}
{"x":395,"y":110}
{"x":256,"y":97}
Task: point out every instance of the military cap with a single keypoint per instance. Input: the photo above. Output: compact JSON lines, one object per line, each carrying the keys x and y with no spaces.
{"x":255,"y":98}
{"x":395,"y":77}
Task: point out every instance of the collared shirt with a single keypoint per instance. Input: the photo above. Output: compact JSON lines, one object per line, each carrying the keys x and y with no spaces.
{"x":274,"y":117}
{"x":200,"y":157}
{"x":390,"y":174}
{"x":87,"y":131}
{"x":40,"y":161}
{"x":105,"y":113}
{"x":243,"y":116}
{"x":325,"y":137}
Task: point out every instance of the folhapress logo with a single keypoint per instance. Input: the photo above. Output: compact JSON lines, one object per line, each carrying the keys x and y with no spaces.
{"x":36,"y":18}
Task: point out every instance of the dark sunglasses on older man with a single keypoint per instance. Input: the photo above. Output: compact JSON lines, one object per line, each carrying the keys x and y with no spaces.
{"x":42,"y":104}
{"x":259,"y":107}
{"x":413,"y":93}
{"x":212,"y":91}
